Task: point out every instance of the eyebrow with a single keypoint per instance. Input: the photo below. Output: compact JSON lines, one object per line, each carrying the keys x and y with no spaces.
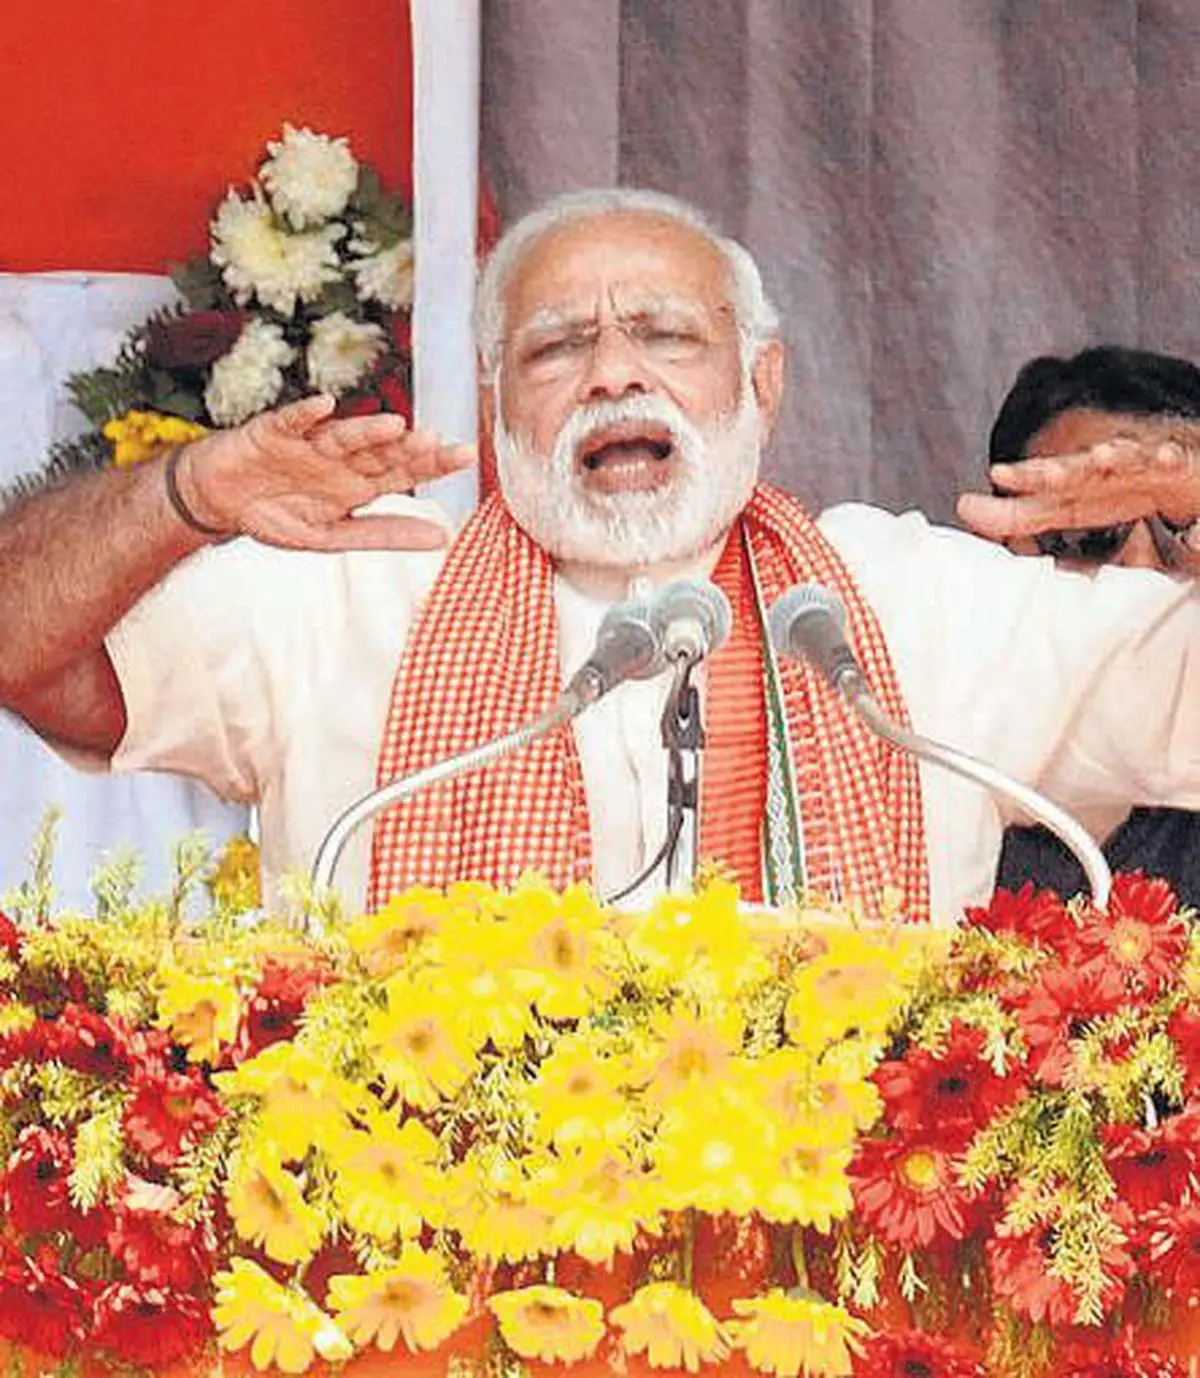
{"x":559,"y":317}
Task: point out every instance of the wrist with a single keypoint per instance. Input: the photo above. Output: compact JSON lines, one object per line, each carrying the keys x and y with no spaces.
{"x":182,"y":503}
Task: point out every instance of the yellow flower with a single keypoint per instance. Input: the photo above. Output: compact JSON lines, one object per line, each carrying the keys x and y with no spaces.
{"x":201,"y":1012}
{"x":671,"y":1326}
{"x":701,"y":942}
{"x":563,"y":942}
{"x":690,"y":1052}
{"x":236,"y":881}
{"x":548,"y":1323}
{"x":596,"y":1200}
{"x":284,"y":1327}
{"x":714,"y":1152}
{"x":416,"y":1045}
{"x":268,"y":1208}
{"x":841,"y":1101}
{"x":413,"y":1298}
{"x":484,"y":1003}
{"x":302,"y":1102}
{"x":858,"y":982}
{"x":491,"y":1208}
{"x":388,"y":939}
{"x":141,"y":435}
{"x":578,"y":1093}
{"x":793,"y":1336}
{"x":810,"y":1186}
{"x":384,"y":1178}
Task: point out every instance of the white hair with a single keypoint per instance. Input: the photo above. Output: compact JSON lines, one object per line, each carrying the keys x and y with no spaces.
{"x":756,"y":317}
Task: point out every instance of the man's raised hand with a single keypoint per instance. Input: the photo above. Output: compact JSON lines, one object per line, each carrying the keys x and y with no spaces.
{"x":1156,"y":471}
{"x":293,"y":477}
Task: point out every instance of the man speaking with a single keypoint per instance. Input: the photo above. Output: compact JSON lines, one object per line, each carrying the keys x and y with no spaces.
{"x":631,"y":372}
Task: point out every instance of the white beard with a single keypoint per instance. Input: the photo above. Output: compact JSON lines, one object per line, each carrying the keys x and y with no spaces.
{"x":716,"y":470}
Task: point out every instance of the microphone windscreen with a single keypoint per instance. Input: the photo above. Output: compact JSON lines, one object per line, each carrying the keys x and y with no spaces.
{"x":696,"y":600}
{"x":786,"y":618}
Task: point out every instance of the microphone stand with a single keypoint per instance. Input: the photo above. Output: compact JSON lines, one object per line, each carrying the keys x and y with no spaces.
{"x":683,"y":738}
{"x":1069,"y":830}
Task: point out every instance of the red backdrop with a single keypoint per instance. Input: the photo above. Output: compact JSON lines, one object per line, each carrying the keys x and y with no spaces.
{"x":123,"y":122}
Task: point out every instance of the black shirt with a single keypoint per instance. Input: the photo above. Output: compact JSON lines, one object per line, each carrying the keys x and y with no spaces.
{"x":1161,"y":842}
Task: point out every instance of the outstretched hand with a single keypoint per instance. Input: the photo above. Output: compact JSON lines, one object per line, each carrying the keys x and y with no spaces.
{"x":293,"y":477}
{"x":1119,"y":480}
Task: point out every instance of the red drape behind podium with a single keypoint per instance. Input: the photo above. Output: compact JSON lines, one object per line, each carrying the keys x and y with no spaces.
{"x":123,"y":122}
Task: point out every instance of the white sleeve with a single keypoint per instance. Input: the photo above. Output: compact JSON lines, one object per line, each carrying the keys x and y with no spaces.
{"x":204,"y":659}
{"x":1084,"y":684}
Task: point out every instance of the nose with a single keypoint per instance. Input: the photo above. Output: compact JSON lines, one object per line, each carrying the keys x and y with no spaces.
{"x":615,"y":367}
{"x":1139,"y":551}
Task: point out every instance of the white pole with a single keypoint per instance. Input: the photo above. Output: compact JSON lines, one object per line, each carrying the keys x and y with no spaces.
{"x":445,"y":193}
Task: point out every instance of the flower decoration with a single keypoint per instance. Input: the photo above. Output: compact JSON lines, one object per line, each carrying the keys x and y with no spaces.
{"x":1032,"y":1186}
{"x":499,"y":1131}
{"x":307,"y":287}
{"x":514,"y":1134}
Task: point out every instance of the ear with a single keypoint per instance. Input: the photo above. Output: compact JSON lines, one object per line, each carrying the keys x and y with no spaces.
{"x":487,"y":405}
{"x":767,"y":378}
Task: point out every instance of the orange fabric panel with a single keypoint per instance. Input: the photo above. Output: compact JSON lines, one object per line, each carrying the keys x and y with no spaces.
{"x":122,"y":123}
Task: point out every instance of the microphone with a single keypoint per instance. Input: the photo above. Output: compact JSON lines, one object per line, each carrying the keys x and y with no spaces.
{"x":628,"y":646}
{"x":809,"y":621}
{"x":692,"y":618}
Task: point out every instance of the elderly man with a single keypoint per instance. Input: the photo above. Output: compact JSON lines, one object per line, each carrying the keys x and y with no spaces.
{"x":631,"y":372}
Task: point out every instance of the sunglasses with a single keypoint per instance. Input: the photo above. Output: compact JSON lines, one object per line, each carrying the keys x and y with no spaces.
{"x":1097,"y":545}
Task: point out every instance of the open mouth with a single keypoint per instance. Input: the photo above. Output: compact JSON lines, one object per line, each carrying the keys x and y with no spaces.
{"x":627,"y":455}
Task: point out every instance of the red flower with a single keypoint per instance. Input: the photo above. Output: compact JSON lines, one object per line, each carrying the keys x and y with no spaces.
{"x":911,"y":1354}
{"x":167,"y":1111}
{"x":155,"y":1249}
{"x":1141,"y":938}
{"x":1152,"y":1167}
{"x":88,"y":1042}
{"x":34,"y":1193}
{"x":146,"y":1326}
{"x":951,"y":1095}
{"x":23,"y":1045}
{"x":1171,"y":1236}
{"x":193,"y":341}
{"x":1184,"y":1028}
{"x":39,"y":1307}
{"x":1057,"y":1009}
{"x":273,"y":1011}
{"x":10,"y":937}
{"x":1033,"y":916}
{"x":908,"y":1193}
{"x":1020,"y":1269}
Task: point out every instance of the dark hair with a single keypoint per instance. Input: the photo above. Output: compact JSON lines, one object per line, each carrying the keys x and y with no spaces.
{"x":1128,"y":382}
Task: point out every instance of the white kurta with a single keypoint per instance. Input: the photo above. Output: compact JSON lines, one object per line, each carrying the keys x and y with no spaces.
{"x":268,"y":675}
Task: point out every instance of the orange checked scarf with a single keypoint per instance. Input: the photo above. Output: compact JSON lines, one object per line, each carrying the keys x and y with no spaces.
{"x":792,"y":784}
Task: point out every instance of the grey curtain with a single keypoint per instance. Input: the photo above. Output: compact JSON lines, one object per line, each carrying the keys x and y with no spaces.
{"x":936,"y":189}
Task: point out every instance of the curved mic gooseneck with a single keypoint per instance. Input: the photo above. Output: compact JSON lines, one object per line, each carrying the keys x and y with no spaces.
{"x":635,"y":640}
{"x":809,"y":621}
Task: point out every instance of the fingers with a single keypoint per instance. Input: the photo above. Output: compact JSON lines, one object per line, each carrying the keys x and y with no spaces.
{"x":375,"y":531}
{"x":297,"y":418}
{"x":998,"y":518}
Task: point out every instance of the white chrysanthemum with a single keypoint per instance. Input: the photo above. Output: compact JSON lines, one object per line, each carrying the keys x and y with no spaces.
{"x":310,"y":176}
{"x":384,"y":275}
{"x":257,"y":259}
{"x":341,"y":350}
{"x":249,"y":378}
